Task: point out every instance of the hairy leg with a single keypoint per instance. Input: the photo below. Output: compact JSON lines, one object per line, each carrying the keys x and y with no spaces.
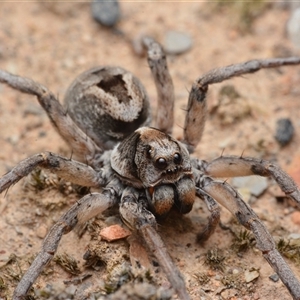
{"x":229,"y":198}
{"x":79,"y":142}
{"x":233,"y":166}
{"x":214,"y":218}
{"x":68,"y":169}
{"x":164,"y":86}
{"x":196,"y":108}
{"x":137,"y":217}
{"x":86,"y":208}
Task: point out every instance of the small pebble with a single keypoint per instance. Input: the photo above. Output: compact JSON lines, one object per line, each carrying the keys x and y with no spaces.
{"x":235,"y":271}
{"x":250,"y":275}
{"x":293,"y":27}
{"x":106,"y":12}
{"x":284,"y":129}
{"x":4,"y":258}
{"x":255,"y":184}
{"x":218,"y":277}
{"x":274,"y":277}
{"x":41,"y":231}
{"x":114,"y":232}
{"x":294,"y":240}
{"x":13,"y":139}
{"x":294,"y":236}
{"x":229,"y":294}
{"x":177,"y":42}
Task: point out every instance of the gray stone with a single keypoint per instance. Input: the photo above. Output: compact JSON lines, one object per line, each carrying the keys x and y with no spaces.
{"x":177,"y":42}
{"x":294,"y":236}
{"x":251,"y":275}
{"x":255,"y":184}
{"x":106,"y":12}
{"x":284,"y":127}
{"x":274,"y":277}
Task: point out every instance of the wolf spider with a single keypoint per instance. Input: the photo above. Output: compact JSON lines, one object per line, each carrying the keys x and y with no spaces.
{"x":142,"y":169}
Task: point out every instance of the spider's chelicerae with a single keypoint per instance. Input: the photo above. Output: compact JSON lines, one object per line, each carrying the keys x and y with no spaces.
{"x":143,"y":169}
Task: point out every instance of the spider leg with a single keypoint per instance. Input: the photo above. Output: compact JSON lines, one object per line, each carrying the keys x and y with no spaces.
{"x":68,"y":169}
{"x":231,"y":200}
{"x":233,"y":166}
{"x":214,"y":218}
{"x":196,"y":108}
{"x":80,"y":143}
{"x":86,"y":208}
{"x":164,"y":85}
{"x":134,"y":213}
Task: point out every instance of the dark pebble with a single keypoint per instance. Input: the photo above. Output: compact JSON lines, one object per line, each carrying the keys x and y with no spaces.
{"x":284,"y":131}
{"x":274,"y":277}
{"x":106,"y":12}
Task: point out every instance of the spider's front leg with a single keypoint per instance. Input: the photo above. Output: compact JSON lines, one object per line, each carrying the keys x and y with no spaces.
{"x":67,"y":169}
{"x":86,"y":208}
{"x":196,"y":108}
{"x":233,"y":166}
{"x":229,"y":198}
{"x":134,"y":213}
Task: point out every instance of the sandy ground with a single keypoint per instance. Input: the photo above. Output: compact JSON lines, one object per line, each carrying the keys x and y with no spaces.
{"x":53,"y":42}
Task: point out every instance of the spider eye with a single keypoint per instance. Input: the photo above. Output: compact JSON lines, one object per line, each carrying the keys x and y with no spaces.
{"x":148,"y":152}
{"x":161,"y":163}
{"x":177,"y":159}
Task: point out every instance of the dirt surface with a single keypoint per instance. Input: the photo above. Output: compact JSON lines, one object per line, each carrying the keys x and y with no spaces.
{"x":52,"y":43}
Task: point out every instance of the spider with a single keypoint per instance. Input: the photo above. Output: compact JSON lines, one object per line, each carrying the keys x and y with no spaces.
{"x":142,"y":169}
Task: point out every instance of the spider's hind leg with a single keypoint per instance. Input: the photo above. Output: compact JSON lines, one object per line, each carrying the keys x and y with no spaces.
{"x":79,"y":142}
{"x":229,"y":198}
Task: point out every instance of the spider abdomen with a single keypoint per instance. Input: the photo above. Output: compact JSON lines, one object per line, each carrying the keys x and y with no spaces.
{"x":108,"y":103}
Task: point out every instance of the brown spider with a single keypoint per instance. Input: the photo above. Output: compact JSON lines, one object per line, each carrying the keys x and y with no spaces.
{"x":141,"y":169}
